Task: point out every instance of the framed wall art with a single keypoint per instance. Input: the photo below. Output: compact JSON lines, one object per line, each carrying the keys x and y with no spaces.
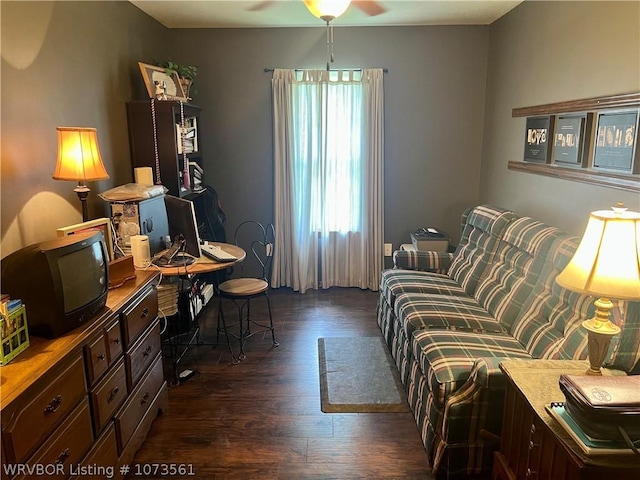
{"x":99,"y":224}
{"x":616,"y":141}
{"x":538,"y":138}
{"x":170,"y":86}
{"x":570,"y":139}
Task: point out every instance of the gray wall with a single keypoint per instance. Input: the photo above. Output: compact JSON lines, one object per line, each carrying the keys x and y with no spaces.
{"x":65,"y":64}
{"x":434,"y":108}
{"x":545,"y":52}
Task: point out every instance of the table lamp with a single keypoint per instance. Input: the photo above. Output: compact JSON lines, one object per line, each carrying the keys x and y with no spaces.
{"x":79,"y":160}
{"x":606,"y":265}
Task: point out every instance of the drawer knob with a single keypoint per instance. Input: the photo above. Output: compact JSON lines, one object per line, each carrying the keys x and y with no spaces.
{"x":531,"y":473}
{"x":145,"y":312}
{"x":54,"y":405}
{"x":63,"y":456}
{"x":102,"y":356}
{"x":532,"y":445}
{"x":147,"y":351}
{"x":533,"y":428}
{"x":116,"y":340}
{"x":144,"y":399}
{"x":112,"y":394}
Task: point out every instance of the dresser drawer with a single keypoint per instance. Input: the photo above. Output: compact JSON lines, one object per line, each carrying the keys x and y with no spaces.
{"x":101,"y":461}
{"x":29,"y":425}
{"x":66,"y":445}
{"x":137,"y":317}
{"x":96,"y":358}
{"x":114,"y":342}
{"x":138,"y":403}
{"x":142,"y":354}
{"x":108,"y":396}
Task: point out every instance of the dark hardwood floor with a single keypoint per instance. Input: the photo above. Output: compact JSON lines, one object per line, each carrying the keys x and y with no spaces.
{"x":261,"y":419}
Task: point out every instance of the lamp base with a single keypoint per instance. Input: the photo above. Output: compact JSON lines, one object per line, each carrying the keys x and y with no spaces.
{"x":600,"y":330}
{"x":83,"y":192}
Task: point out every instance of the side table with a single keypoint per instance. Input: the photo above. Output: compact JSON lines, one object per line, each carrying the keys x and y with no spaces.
{"x":533,"y":445}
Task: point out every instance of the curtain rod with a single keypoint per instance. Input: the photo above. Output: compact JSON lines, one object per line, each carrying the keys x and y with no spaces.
{"x":384,"y":70}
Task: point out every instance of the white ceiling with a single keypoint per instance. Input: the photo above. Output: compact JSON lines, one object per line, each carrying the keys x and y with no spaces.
{"x":293,"y":13}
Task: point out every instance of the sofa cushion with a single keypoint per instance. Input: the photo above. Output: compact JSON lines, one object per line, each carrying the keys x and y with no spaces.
{"x":446,"y":358}
{"x":395,"y":282}
{"x":520,"y":256}
{"x":416,"y":311}
{"x":482,"y":229}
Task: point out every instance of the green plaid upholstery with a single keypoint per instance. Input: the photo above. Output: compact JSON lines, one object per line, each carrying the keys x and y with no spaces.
{"x":437,"y":262}
{"x":446,"y":358}
{"x":549,"y":324}
{"x":515,"y":269}
{"x":416,"y":311}
{"x":482,"y":230}
{"x":396,"y":282}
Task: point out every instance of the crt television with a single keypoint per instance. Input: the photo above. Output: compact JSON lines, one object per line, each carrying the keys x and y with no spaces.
{"x":181,"y":218}
{"x":62,"y":282}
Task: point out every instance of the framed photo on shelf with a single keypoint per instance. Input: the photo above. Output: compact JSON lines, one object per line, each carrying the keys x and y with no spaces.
{"x":100,"y":224}
{"x":616,"y":141}
{"x":538,"y":139}
{"x":569,"y":140}
{"x":171,"y":83}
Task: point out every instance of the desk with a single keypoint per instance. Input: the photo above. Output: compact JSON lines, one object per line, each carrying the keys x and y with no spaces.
{"x":201,"y":266}
{"x":534,"y":444}
{"x":205,"y":264}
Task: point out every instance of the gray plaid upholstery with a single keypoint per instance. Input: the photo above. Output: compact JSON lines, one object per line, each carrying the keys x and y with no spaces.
{"x":499,"y":299}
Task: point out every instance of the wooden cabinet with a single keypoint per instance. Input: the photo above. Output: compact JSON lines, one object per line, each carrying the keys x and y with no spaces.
{"x":64,"y":400}
{"x":155,"y":140}
{"x":533,"y":445}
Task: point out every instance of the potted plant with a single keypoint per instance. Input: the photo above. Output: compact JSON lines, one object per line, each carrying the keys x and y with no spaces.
{"x":186,"y":74}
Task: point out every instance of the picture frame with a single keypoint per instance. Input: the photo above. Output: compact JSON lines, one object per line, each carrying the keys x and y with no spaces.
{"x":153,"y":73}
{"x":99,"y":224}
{"x":570,"y":135}
{"x":537,"y":139}
{"x":616,"y":138}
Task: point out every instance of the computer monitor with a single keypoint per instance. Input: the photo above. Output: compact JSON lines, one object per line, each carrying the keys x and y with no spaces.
{"x":181,"y":218}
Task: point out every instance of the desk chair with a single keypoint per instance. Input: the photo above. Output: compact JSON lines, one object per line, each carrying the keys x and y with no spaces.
{"x":257,"y":240}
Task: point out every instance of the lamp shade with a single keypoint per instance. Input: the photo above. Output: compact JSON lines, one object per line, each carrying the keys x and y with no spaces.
{"x":607,"y":261}
{"x":327,"y":8}
{"x":78,"y":155}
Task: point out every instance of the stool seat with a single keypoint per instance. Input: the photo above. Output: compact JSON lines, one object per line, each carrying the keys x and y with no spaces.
{"x":243,"y":286}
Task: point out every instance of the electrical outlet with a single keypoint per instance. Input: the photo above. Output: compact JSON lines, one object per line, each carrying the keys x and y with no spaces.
{"x":388,"y":249}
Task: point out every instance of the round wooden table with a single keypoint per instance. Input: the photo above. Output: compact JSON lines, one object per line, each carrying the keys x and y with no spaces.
{"x":205,"y":264}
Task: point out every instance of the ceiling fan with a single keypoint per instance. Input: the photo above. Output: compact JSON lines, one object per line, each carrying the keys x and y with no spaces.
{"x":326,"y":7}
{"x":329,"y":10}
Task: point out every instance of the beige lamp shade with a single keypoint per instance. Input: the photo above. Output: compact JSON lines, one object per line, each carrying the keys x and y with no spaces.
{"x":78,"y":155}
{"x":327,"y":8}
{"x":607,"y":261}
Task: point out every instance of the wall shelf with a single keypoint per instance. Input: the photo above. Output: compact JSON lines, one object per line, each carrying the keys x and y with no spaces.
{"x":622,"y":181}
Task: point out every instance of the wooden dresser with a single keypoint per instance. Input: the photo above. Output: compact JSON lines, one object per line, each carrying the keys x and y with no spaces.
{"x":534,"y":445}
{"x":82,"y":404}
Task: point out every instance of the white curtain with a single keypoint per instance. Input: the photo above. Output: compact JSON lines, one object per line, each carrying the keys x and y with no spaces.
{"x":328,"y":153}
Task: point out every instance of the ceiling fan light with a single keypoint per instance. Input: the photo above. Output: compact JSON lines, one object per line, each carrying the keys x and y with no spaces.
{"x":327,"y":8}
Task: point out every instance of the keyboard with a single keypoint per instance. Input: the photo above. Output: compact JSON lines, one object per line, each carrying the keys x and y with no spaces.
{"x":216,"y":253}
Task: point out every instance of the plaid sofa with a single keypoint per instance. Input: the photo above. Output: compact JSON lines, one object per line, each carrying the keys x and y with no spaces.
{"x":450,"y":318}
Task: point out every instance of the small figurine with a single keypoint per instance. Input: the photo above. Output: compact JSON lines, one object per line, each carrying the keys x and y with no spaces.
{"x":161,"y":89}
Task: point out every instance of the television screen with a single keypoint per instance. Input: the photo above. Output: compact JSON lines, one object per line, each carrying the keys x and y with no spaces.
{"x":81,"y":286}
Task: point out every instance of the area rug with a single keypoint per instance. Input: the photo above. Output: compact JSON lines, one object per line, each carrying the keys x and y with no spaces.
{"x":357,"y":375}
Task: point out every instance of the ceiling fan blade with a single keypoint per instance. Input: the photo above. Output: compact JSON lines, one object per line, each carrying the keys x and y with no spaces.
{"x":370,"y":7}
{"x":260,"y":5}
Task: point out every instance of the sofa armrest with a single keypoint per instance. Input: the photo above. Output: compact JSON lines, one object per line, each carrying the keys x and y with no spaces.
{"x":437,"y":262}
{"x":486,"y":372}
